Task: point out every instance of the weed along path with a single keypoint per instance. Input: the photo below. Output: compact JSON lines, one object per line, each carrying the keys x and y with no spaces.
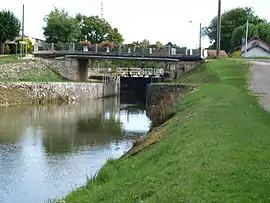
{"x":215,"y":149}
{"x":260,"y":82}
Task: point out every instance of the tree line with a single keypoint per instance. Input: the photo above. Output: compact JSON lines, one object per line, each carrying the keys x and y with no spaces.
{"x":233,"y":28}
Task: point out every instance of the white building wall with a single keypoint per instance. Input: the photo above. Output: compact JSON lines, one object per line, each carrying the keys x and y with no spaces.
{"x":249,"y":44}
{"x":257,"y":52}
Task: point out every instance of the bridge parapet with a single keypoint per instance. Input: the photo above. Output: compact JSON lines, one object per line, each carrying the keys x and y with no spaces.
{"x":109,"y":49}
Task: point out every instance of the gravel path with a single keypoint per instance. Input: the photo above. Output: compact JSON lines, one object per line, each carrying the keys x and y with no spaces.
{"x":260,"y":82}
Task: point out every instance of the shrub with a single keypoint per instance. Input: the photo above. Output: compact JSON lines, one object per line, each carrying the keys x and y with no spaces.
{"x":236,"y":54}
{"x":7,"y":49}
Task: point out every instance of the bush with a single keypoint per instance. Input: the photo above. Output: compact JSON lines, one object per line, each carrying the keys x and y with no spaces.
{"x":7,"y":49}
{"x":236,"y":54}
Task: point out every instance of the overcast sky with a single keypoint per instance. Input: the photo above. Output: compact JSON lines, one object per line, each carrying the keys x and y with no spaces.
{"x":138,"y":19}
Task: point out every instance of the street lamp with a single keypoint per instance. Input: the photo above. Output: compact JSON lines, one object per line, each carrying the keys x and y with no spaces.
{"x":246,"y":40}
{"x":200,"y":38}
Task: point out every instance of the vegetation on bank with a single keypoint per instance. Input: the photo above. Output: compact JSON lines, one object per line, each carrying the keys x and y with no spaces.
{"x":215,"y":149}
{"x":24,"y":70}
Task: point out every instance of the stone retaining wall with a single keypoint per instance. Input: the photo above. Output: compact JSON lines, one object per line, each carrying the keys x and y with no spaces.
{"x":12,"y":93}
{"x":156,"y":93}
{"x":175,"y":70}
{"x":161,"y":100}
{"x":68,"y":68}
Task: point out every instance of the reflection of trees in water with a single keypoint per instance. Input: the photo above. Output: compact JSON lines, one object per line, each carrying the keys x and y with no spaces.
{"x":15,"y":120}
{"x":65,"y":128}
{"x":93,"y":131}
{"x":11,"y":128}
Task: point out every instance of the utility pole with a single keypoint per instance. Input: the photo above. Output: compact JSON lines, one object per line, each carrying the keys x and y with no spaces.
{"x":200,"y":40}
{"x":23,"y":23}
{"x":101,"y":13}
{"x":246,"y":39}
{"x":22,"y":45}
{"x":218,"y":29}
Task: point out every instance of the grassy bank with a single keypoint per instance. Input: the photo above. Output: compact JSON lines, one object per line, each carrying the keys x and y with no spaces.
{"x":17,"y":70}
{"x":215,"y":149}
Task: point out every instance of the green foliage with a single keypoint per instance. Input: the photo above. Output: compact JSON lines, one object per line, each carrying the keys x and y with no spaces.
{"x":97,"y":30}
{"x":7,"y":49}
{"x":29,"y":45}
{"x":9,"y":27}
{"x":263,"y":31}
{"x":60,"y":27}
{"x":158,"y":44}
{"x":236,"y":54}
{"x":145,"y":42}
{"x":240,"y":32}
{"x":230,"y":20}
{"x":260,"y":30}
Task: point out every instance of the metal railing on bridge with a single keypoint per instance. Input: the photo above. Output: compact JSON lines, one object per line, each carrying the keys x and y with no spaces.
{"x":101,"y":49}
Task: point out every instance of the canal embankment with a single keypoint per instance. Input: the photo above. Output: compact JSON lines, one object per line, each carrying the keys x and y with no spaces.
{"x":34,"y":81}
{"x":214,"y":148}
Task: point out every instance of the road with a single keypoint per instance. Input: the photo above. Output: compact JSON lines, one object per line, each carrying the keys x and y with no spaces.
{"x":260,"y":80}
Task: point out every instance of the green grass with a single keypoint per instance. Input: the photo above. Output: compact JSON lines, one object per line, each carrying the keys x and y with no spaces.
{"x":25,"y":70}
{"x":8,"y":59}
{"x":215,"y":149}
{"x":42,"y":75}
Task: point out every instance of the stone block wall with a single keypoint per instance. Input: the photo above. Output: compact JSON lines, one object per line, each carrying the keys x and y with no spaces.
{"x":68,"y":68}
{"x":161,"y":100}
{"x":12,"y":93}
{"x":174,"y":70}
{"x":156,"y":93}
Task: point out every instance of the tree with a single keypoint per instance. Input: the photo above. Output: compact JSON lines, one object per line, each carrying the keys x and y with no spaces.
{"x":263,"y":30}
{"x":9,"y":28}
{"x":60,"y":27}
{"x":97,"y":30}
{"x":158,"y":44}
{"x":229,"y":21}
{"x":145,"y":42}
{"x":240,"y":32}
{"x":260,"y":30}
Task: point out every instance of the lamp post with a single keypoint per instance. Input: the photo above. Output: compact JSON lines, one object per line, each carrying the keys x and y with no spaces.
{"x":200,"y":38}
{"x":218,"y":29}
{"x":22,"y":44}
{"x":200,"y":41}
{"x":246,"y":39}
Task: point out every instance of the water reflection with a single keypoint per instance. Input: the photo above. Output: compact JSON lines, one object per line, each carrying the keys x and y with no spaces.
{"x":45,"y":151}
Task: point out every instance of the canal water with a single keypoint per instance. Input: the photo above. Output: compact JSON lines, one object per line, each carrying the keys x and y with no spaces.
{"x":47,"y":151}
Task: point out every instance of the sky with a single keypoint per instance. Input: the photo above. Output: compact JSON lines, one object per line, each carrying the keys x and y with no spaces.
{"x":156,"y":20}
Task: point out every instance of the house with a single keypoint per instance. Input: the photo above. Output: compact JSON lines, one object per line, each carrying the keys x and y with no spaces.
{"x":256,"y":47}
